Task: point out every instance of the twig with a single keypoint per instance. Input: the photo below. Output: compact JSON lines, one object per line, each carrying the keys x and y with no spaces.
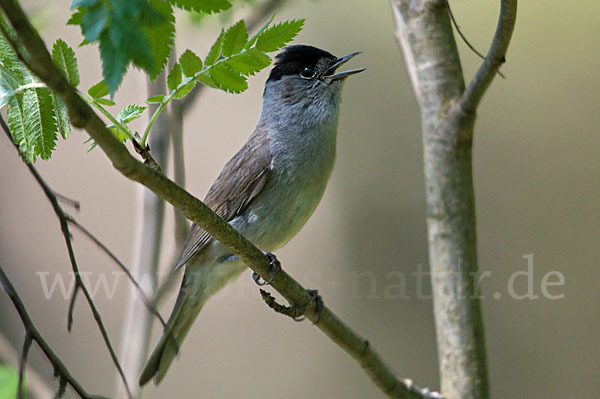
{"x":67,"y":236}
{"x":74,"y":203}
{"x":33,"y":333}
{"x":72,"y":307}
{"x":121,"y":265}
{"x":464,"y":38}
{"x":495,"y":57}
{"x":22,"y":364}
{"x":37,"y":386}
{"x":83,"y":116}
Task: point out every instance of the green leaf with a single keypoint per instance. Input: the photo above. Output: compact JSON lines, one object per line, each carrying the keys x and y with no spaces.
{"x":250,"y":62}
{"x":215,"y":51}
{"x":185,"y":89}
{"x":40,"y":123}
{"x":260,"y":31}
{"x":62,"y":116}
{"x":228,"y":80}
{"x":76,"y":18}
{"x":114,"y":64}
{"x":9,"y":83}
{"x":155,"y":99}
{"x":83,"y":3}
{"x":174,"y":78}
{"x":133,"y":31}
{"x":94,"y":21}
{"x":206,"y":6}
{"x":105,"y":101}
{"x":207,"y":80}
{"x":98,"y":90}
{"x":161,"y":35}
{"x":234,"y":39}
{"x":278,"y":35}
{"x":16,"y":123}
{"x":11,"y":64}
{"x":64,"y":57}
{"x":190,"y":63}
{"x":130,"y":113}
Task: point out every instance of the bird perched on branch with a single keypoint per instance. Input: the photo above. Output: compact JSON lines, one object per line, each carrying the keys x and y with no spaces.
{"x":268,"y":190}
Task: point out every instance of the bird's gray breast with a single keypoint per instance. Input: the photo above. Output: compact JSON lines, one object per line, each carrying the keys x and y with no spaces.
{"x":302,"y":161}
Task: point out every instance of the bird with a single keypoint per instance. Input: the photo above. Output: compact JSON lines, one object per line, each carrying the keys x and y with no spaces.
{"x":268,"y":189}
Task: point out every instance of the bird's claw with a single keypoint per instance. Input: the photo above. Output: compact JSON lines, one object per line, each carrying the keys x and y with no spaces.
{"x":275,"y":266}
{"x":314,"y":294}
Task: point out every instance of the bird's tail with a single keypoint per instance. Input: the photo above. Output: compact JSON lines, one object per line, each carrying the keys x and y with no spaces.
{"x":188,"y":305}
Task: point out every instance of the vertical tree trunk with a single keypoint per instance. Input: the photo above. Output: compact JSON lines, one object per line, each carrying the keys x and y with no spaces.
{"x":137,"y":326}
{"x":424,"y":33}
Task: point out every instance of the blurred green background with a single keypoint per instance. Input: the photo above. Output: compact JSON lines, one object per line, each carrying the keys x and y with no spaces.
{"x":537,"y":190}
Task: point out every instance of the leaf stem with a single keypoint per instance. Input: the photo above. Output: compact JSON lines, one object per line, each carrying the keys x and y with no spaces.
{"x":122,"y":127}
{"x":180,"y":87}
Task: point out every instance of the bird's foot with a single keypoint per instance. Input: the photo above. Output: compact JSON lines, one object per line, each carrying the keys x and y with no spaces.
{"x":314,"y":295}
{"x":275,"y":266}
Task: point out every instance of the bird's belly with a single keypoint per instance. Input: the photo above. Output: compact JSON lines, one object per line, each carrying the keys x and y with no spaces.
{"x":281,"y":209}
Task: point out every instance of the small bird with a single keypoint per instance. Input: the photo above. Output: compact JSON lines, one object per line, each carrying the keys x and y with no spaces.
{"x":268,"y":190}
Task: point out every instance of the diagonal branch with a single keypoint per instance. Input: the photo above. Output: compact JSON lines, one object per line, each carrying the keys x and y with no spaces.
{"x":31,"y":333}
{"x":147,"y":301}
{"x":495,"y":57}
{"x":83,"y":116}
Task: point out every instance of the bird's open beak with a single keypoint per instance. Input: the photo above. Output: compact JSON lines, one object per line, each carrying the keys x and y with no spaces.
{"x":339,"y":62}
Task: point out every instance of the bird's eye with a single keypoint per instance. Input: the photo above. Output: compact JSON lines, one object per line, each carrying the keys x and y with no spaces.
{"x":307,"y":73}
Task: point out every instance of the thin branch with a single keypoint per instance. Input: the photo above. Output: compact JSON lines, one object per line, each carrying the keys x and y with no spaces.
{"x":121,"y":265}
{"x":496,"y":56}
{"x":83,"y":116}
{"x":37,"y":386}
{"x":32,"y":331}
{"x":23,"y":364}
{"x":69,"y":201}
{"x":72,"y":307}
{"x":67,"y":236}
{"x":464,"y":38}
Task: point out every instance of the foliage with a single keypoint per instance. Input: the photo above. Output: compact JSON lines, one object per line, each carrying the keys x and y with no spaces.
{"x":138,"y":32}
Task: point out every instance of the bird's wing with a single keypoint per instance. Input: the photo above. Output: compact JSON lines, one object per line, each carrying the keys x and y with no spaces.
{"x":242,"y":178}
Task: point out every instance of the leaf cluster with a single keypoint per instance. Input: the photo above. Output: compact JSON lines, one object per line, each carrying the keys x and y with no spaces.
{"x":129,"y":31}
{"x":35,"y":115}
{"x":231,"y":59}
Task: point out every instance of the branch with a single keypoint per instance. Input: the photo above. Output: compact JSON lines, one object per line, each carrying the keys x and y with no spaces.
{"x":32,"y":333}
{"x":145,"y":299}
{"x":79,"y":285}
{"x":37,"y":386}
{"x":83,"y":116}
{"x":23,"y":364}
{"x":495,"y":57}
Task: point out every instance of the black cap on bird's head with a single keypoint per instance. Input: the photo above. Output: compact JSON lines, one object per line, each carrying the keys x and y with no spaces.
{"x":309,"y":63}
